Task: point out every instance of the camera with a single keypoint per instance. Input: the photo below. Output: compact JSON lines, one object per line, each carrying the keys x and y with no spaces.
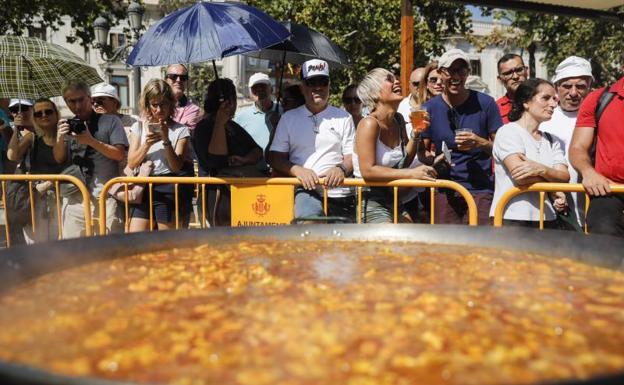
{"x":76,"y":125}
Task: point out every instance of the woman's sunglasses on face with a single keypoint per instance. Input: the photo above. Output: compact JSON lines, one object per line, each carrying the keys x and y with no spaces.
{"x":41,"y":113}
{"x":17,"y":109}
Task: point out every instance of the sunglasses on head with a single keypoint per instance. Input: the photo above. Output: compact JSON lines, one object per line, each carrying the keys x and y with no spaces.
{"x":348,"y":100}
{"x":40,"y":113}
{"x":320,"y":81}
{"x":175,"y":77}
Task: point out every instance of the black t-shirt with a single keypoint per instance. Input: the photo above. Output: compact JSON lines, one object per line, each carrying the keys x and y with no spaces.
{"x":239,"y":143}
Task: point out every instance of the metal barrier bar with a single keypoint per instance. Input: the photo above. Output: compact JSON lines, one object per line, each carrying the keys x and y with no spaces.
{"x":432,"y":203}
{"x":57,"y":178}
{"x":542,"y":188}
{"x":472,"y":207}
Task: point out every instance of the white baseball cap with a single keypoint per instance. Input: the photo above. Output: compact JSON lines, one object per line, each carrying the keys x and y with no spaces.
{"x":259,"y":78}
{"x":104,"y":89}
{"x":572,"y":67}
{"x":450,"y":56}
{"x":23,"y":102}
{"x":313,"y":68}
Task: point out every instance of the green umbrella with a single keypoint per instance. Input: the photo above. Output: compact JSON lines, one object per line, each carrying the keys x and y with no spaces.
{"x":33,"y":68}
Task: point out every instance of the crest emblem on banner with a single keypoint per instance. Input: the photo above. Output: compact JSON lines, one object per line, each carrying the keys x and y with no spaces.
{"x":261,"y":206}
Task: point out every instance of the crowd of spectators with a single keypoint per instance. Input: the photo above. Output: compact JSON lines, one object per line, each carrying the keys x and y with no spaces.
{"x":537,"y":132}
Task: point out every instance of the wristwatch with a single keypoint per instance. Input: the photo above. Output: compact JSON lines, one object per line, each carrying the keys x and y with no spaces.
{"x":166,"y":144}
{"x":343,"y":168}
{"x":414,"y":136}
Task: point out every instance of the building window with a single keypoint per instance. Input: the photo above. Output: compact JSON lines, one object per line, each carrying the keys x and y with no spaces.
{"x":37,"y":32}
{"x":121,"y":83}
{"x":475,"y":65}
{"x":117,"y":40}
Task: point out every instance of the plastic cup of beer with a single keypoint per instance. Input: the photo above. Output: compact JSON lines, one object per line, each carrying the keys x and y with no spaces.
{"x":417,"y":117}
{"x":462,"y":130}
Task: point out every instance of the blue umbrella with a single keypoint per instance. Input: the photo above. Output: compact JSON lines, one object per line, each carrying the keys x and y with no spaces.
{"x":206,"y":31}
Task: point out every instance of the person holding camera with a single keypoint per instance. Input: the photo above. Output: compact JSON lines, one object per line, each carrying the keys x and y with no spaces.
{"x":164,"y":142}
{"x":94,"y":144}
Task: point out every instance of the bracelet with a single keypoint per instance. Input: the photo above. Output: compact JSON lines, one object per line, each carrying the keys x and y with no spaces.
{"x":414,"y":136}
{"x":343,"y":168}
{"x":166,"y":144}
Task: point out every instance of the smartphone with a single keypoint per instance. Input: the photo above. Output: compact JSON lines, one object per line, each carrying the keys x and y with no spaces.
{"x":154,"y":128}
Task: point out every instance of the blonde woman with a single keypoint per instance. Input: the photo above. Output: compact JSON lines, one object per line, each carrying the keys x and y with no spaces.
{"x":383,"y":149}
{"x":164,"y":142}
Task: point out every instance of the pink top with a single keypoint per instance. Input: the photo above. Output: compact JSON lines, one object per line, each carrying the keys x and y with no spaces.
{"x":187,"y":115}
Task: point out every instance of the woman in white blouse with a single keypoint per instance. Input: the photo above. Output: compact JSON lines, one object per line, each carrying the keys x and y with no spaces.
{"x":157,"y":137}
{"x":525,"y":155}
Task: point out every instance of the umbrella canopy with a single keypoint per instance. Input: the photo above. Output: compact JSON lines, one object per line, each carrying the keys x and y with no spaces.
{"x":206,"y":31}
{"x":33,"y":68}
{"x":304,"y":44}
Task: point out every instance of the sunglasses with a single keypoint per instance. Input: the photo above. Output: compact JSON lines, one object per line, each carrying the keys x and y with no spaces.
{"x":461,"y":71}
{"x":517,"y":71}
{"x":16,"y":109}
{"x":41,"y":113}
{"x":454,"y":118}
{"x":160,"y":105}
{"x":320,"y":81}
{"x":415,"y":84}
{"x":433,"y":80}
{"x":348,"y":100}
{"x":175,"y":77}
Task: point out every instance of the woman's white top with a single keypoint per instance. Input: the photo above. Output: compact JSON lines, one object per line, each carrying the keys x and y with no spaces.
{"x":513,"y":139}
{"x":156,"y":152}
{"x":388,"y":157}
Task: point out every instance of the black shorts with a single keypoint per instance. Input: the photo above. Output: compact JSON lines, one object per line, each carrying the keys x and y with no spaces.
{"x":163,"y":204}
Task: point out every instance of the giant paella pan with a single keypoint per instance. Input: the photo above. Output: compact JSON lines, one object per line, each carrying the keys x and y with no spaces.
{"x":324,"y":304}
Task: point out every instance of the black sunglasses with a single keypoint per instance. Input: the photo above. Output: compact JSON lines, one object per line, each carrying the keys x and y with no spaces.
{"x":175,"y":77}
{"x":40,"y":113}
{"x":433,"y":80}
{"x":16,"y":109}
{"x":415,"y":84}
{"x":320,"y":81}
{"x":348,"y":100}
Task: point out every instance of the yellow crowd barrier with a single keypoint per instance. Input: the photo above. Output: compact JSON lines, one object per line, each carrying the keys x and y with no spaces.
{"x":203,"y":181}
{"x":57,"y":179}
{"x":542,"y":189}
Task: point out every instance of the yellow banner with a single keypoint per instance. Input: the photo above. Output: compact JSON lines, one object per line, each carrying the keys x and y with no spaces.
{"x":262,"y":205}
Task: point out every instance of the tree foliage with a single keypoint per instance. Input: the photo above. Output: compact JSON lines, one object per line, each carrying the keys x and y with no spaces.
{"x":368,"y":31}
{"x":17,"y":16}
{"x":561,"y":36}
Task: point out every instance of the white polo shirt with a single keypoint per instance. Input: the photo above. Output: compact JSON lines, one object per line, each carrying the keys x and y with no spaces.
{"x":318,"y":142}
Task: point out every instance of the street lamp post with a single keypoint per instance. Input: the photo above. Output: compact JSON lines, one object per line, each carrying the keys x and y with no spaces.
{"x":109,"y":55}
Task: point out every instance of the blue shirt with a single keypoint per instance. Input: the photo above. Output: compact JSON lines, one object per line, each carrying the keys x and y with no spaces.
{"x":472,"y":169}
{"x":256,"y":123}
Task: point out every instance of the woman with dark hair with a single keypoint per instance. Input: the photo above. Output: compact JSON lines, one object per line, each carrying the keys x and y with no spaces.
{"x":352,"y":103}
{"x":525,"y":155}
{"x":223,"y":148}
{"x":34,"y":150}
{"x":292,"y":99}
{"x":164,"y":142}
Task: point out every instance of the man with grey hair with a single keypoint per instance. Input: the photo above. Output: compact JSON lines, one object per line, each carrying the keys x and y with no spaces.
{"x":573,"y":79}
{"x":466,"y":121}
{"x":94,"y":144}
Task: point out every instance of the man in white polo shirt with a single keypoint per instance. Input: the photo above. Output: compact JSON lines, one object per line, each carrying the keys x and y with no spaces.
{"x":316,"y":141}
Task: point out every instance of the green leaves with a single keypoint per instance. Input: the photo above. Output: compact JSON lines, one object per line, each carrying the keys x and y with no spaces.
{"x":19,"y":16}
